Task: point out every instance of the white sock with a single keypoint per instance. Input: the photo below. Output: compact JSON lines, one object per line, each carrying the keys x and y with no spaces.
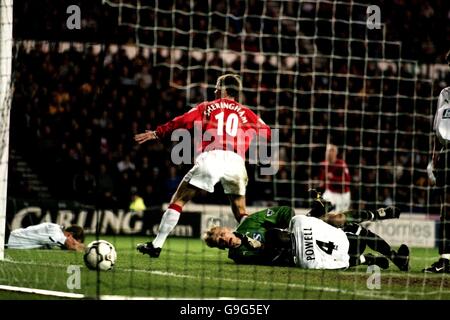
{"x":445,"y":256}
{"x":362,"y":259}
{"x":168,"y":222}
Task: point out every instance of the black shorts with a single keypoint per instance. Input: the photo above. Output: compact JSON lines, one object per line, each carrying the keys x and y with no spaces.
{"x":442,"y":170}
{"x":357,"y":244}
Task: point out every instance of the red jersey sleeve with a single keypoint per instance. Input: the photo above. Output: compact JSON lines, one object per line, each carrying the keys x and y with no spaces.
{"x":185,"y":121}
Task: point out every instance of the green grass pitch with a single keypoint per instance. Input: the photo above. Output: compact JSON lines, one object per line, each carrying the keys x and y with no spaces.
{"x":189,"y":269}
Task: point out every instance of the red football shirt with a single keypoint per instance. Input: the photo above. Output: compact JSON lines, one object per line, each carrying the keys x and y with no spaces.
{"x":336,"y":176}
{"x":225,"y":124}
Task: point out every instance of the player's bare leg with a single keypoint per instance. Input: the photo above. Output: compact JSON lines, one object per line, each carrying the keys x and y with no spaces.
{"x":238,"y":207}
{"x":185,"y":192}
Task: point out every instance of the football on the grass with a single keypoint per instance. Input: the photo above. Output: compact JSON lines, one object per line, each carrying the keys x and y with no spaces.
{"x":100,"y":255}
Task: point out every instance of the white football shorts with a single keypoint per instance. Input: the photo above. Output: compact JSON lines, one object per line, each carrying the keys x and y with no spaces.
{"x":341,"y":201}
{"x":219,"y":165}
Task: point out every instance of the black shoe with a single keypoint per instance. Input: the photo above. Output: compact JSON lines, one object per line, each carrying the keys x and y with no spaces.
{"x":320,"y":206}
{"x":148,"y":248}
{"x":380,"y":261}
{"x":440,"y":266}
{"x":387,"y":213}
{"x":401,"y":258}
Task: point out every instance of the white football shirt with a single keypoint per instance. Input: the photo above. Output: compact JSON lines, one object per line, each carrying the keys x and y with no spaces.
{"x":441,"y":123}
{"x":318,"y":245}
{"x":44,"y":235}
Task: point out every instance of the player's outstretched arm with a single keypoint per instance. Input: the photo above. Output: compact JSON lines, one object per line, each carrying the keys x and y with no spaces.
{"x":432,"y":164}
{"x":146,"y":136}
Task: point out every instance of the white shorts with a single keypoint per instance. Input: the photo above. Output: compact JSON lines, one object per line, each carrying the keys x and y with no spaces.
{"x":318,"y":245}
{"x":341,"y":201}
{"x":219,"y":165}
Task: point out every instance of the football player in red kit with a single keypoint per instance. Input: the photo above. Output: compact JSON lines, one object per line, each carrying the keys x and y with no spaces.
{"x":228,"y":128}
{"x":335,"y":179}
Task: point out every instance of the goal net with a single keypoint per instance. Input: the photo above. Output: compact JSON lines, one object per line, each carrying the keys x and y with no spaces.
{"x":319,"y":73}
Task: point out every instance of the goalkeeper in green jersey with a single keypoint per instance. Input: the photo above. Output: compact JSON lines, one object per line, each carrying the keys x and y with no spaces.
{"x":262,"y":238}
{"x":258,"y":239}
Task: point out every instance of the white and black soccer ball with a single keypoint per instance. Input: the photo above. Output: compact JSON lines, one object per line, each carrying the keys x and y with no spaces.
{"x":100,"y":255}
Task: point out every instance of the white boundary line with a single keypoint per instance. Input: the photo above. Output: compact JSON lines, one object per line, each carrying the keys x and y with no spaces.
{"x":43,"y":292}
{"x":268,"y":283}
{"x":62,"y":294}
{"x":362,"y":293}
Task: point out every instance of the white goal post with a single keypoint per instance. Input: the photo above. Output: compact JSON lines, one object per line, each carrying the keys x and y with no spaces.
{"x":6,"y":41}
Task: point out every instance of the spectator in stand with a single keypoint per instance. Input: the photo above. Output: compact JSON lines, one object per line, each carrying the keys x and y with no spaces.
{"x":84,"y":185}
{"x":335,"y":179}
{"x":105,"y":188}
{"x":126,"y":164}
{"x":172,"y":182}
{"x":137,"y":202}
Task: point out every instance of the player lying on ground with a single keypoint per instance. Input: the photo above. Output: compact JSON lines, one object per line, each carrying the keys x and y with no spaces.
{"x":47,"y":236}
{"x":262,"y":238}
{"x":349,"y":222}
{"x":232,"y":127}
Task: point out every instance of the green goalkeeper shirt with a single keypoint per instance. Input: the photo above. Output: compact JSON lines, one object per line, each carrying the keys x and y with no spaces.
{"x":255,"y":227}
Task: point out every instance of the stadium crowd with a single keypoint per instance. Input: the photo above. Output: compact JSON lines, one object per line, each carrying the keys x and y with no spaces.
{"x":75,"y":112}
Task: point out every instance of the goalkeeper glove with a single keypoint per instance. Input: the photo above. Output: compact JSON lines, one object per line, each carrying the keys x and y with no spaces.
{"x":320,"y":206}
{"x":255,"y":244}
